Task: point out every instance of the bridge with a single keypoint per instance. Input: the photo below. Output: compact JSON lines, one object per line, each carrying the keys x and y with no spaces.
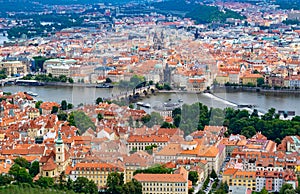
{"x":6,"y":80}
{"x":135,"y":94}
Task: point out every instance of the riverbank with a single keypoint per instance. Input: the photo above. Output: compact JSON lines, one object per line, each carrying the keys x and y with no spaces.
{"x":218,"y":89}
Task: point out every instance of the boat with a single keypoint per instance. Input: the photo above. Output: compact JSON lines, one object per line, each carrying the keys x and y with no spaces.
{"x":146,"y":105}
{"x":32,"y":94}
{"x":104,"y":86}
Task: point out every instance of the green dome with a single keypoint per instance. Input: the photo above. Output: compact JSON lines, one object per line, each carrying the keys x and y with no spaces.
{"x":158,"y":66}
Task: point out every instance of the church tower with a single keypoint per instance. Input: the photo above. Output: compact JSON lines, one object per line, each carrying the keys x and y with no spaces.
{"x":59,"y":150}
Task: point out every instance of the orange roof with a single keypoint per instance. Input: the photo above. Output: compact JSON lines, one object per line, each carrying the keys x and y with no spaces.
{"x":167,"y":178}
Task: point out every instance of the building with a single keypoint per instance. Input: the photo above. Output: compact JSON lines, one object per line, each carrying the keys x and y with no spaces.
{"x":13,"y":68}
{"x":139,"y":142}
{"x":250,"y":79}
{"x":97,"y":172}
{"x":234,"y":177}
{"x":56,"y":162}
{"x":59,"y":67}
{"x":176,"y":183}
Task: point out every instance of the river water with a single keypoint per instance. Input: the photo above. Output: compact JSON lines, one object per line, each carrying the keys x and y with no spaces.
{"x":85,"y":95}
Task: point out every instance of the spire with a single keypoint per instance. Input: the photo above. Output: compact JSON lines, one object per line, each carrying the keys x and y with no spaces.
{"x":59,"y":140}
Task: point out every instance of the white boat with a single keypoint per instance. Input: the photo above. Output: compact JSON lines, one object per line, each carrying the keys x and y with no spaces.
{"x":32,"y":94}
{"x":147,"y":105}
{"x":140,"y":103}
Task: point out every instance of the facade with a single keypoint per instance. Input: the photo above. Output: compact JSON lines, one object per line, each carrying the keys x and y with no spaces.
{"x":97,"y":172}
{"x":139,"y":142}
{"x":13,"y":68}
{"x":53,"y":164}
{"x":59,"y":67}
{"x":164,"y":183}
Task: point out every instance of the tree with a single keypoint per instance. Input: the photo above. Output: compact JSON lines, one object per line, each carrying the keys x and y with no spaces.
{"x":22,"y":162}
{"x":34,"y":168}
{"x":115,"y":182}
{"x":108,"y":80}
{"x":54,"y":109}
{"x":38,"y":104}
{"x":254,"y":113}
{"x":45,"y":182}
{"x":287,"y":188}
{"x":99,"y":117}
{"x":193,"y":176}
{"x":213,"y":174}
{"x":248,"y":131}
{"x":264,"y":191}
{"x":167,"y":125}
{"x":153,"y":119}
{"x":132,"y":187}
{"x":63,"y":105}
{"x":260,"y":81}
{"x":70,"y":106}
{"x":99,"y":100}
{"x":80,"y":120}
{"x":70,"y":80}
{"x":20,"y":174}
{"x":62,"y":116}
{"x":5,"y":179}
{"x":176,"y":120}
{"x":83,"y":185}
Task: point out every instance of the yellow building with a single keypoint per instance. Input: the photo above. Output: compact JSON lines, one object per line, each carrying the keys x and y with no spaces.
{"x":56,"y":162}
{"x":97,"y":172}
{"x":164,"y":183}
{"x":234,"y":177}
{"x":250,"y":78}
{"x":222,"y":79}
{"x":13,"y":67}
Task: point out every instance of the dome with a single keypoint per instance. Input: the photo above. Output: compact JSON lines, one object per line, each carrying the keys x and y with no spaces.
{"x":158,"y":66}
{"x":179,"y":65}
{"x":189,"y":138}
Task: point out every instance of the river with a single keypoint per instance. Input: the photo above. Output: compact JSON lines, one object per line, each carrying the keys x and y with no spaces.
{"x":85,"y":95}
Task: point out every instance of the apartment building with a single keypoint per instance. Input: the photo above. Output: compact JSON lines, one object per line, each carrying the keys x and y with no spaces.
{"x":97,"y":172}
{"x":164,"y":183}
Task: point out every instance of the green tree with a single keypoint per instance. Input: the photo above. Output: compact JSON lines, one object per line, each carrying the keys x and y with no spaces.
{"x":176,"y":120}
{"x":54,"y":109}
{"x":167,"y":125}
{"x":176,"y":111}
{"x":132,"y":187}
{"x":20,"y":174}
{"x":80,"y":120}
{"x":5,"y":179}
{"x":193,"y":176}
{"x":34,"y":168}
{"x":213,"y":174}
{"x":260,"y":82}
{"x":63,"y":105}
{"x":62,"y":116}
{"x":153,"y":119}
{"x":70,"y":80}
{"x":83,"y":185}
{"x":22,"y":162}
{"x":108,"y":80}
{"x":248,"y":131}
{"x":114,"y":182}
{"x":38,"y":104}
{"x":287,"y":189}
{"x":45,"y":182}
{"x":70,"y":106}
{"x":99,"y":117}
{"x":99,"y":100}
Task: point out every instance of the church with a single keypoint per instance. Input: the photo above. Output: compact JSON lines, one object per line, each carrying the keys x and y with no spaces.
{"x":55,"y":161}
